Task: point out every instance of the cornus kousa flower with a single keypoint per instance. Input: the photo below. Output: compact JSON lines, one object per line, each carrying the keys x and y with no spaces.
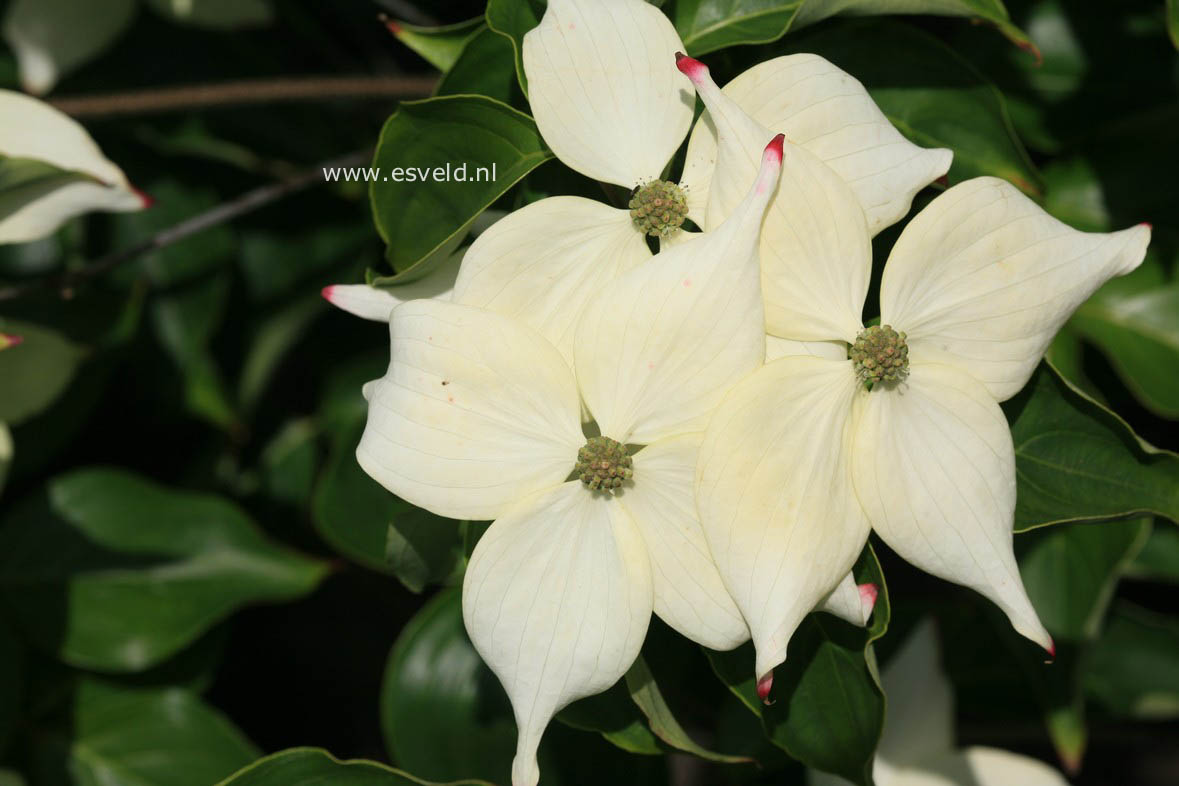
{"x":65,"y":172}
{"x":917,"y":746}
{"x":609,"y":102}
{"x":895,"y":427}
{"x":479,"y":416}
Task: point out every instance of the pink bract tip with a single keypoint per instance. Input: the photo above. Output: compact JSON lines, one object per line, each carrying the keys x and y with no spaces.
{"x":392,"y":25}
{"x":12,"y":340}
{"x":690,"y":66}
{"x":763,"y":687}
{"x":1052,"y":649}
{"x":868,"y":594}
{"x":327,"y":293}
{"x":147,"y":199}
{"x":1147,"y":224}
{"x":774,"y":148}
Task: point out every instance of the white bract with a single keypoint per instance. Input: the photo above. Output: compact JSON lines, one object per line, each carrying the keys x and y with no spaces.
{"x":803,"y":459}
{"x":917,"y":746}
{"x":53,"y":171}
{"x":479,"y":417}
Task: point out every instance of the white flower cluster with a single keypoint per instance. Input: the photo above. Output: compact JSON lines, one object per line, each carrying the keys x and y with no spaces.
{"x":758,"y":459}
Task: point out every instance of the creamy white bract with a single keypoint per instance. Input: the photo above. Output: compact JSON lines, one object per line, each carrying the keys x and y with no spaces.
{"x":479,"y":417}
{"x":802,"y":460}
{"x":917,"y":746}
{"x":35,"y":133}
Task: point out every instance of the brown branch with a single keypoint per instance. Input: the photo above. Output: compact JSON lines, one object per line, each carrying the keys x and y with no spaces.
{"x":250,"y":91}
{"x":246,"y":203}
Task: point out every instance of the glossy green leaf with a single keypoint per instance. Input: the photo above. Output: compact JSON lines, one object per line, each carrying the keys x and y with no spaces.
{"x":1070,"y":572}
{"x":367,"y":524}
{"x":708,"y":25}
{"x":1159,"y":558}
{"x":828,"y":706}
{"x":122,"y":736}
{"x":185,"y":321}
{"x":1077,"y":461}
{"x":438,"y":46}
{"x":110,"y":571}
{"x":512,"y":19}
{"x":485,"y":67}
{"x":616,"y":717}
{"x":271,"y":340}
{"x":441,"y":717}
{"x":930,"y":93}
{"x":423,"y":222}
{"x":315,"y":767}
{"x":289,"y":462}
{"x":1134,"y":671}
{"x":1134,"y":320}
{"x":36,"y":371}
{"x":647,"y":697}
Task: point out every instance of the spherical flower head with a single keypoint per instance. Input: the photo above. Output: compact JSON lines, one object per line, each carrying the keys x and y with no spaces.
{"x":603,"y":464}
{"x":880,"y":354}
{"x":659,"y":208}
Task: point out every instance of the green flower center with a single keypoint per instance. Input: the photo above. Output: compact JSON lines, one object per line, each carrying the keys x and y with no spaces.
{"x":880,"y":354}
{"x":659,"y":208}
{"x":603,"y":464}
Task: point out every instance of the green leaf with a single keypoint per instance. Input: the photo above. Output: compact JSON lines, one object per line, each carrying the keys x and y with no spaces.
{"x":1159,"y":558}
{"x":271,"y":340}
{"x":36,"y":371}
{"x":930,"y":93}
{"x":485,"y":67}
{"x":110,"y":571}
{"x":122,"y":736}
{"x":828,"y":710}
{"x":1134,"y":670}
{"x":423,"y":222}
{"x":708,"y":25}
{"x":289,"y":462}
{"x":315,"y":767}
{"x":1077,"y":461}
{"x":442,"y":714}
{"x":647,"y":697}
{"x":185,"y":321}
{"x":613,"y":715}
{"x":50,"y":43}
{"x":1134,"y":320}
{"x":438,"y":46}
{"x":512,"y":19}
{"x":23,"y":180}
{"x":367,"y":524}
{"x":1070,"y":572}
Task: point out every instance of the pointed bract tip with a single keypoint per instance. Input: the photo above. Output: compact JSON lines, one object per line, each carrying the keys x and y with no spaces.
{"x":774,"y":148}
{"x":868,"y":594}
{"x":327,"y":292}
{"x":691,"y":67}
{"x":1149,"y":226}
{"x":147,"y":199}
{"x":9,"y":340}
{"x":391,"y":24}
{"x":763,"y":687}
{"x":1051,"y":649}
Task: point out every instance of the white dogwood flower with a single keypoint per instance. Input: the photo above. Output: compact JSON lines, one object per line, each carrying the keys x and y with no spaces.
{"x":897,"y":427}
{"x":52,"y":171}
{"x":479,"y":417}
{"x":917,"y":746}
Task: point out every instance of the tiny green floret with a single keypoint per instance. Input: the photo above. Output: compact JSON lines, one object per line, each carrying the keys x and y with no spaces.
{"x":603,"y":464}
{"x":659,"y":208}
{"x":880,"y":354}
